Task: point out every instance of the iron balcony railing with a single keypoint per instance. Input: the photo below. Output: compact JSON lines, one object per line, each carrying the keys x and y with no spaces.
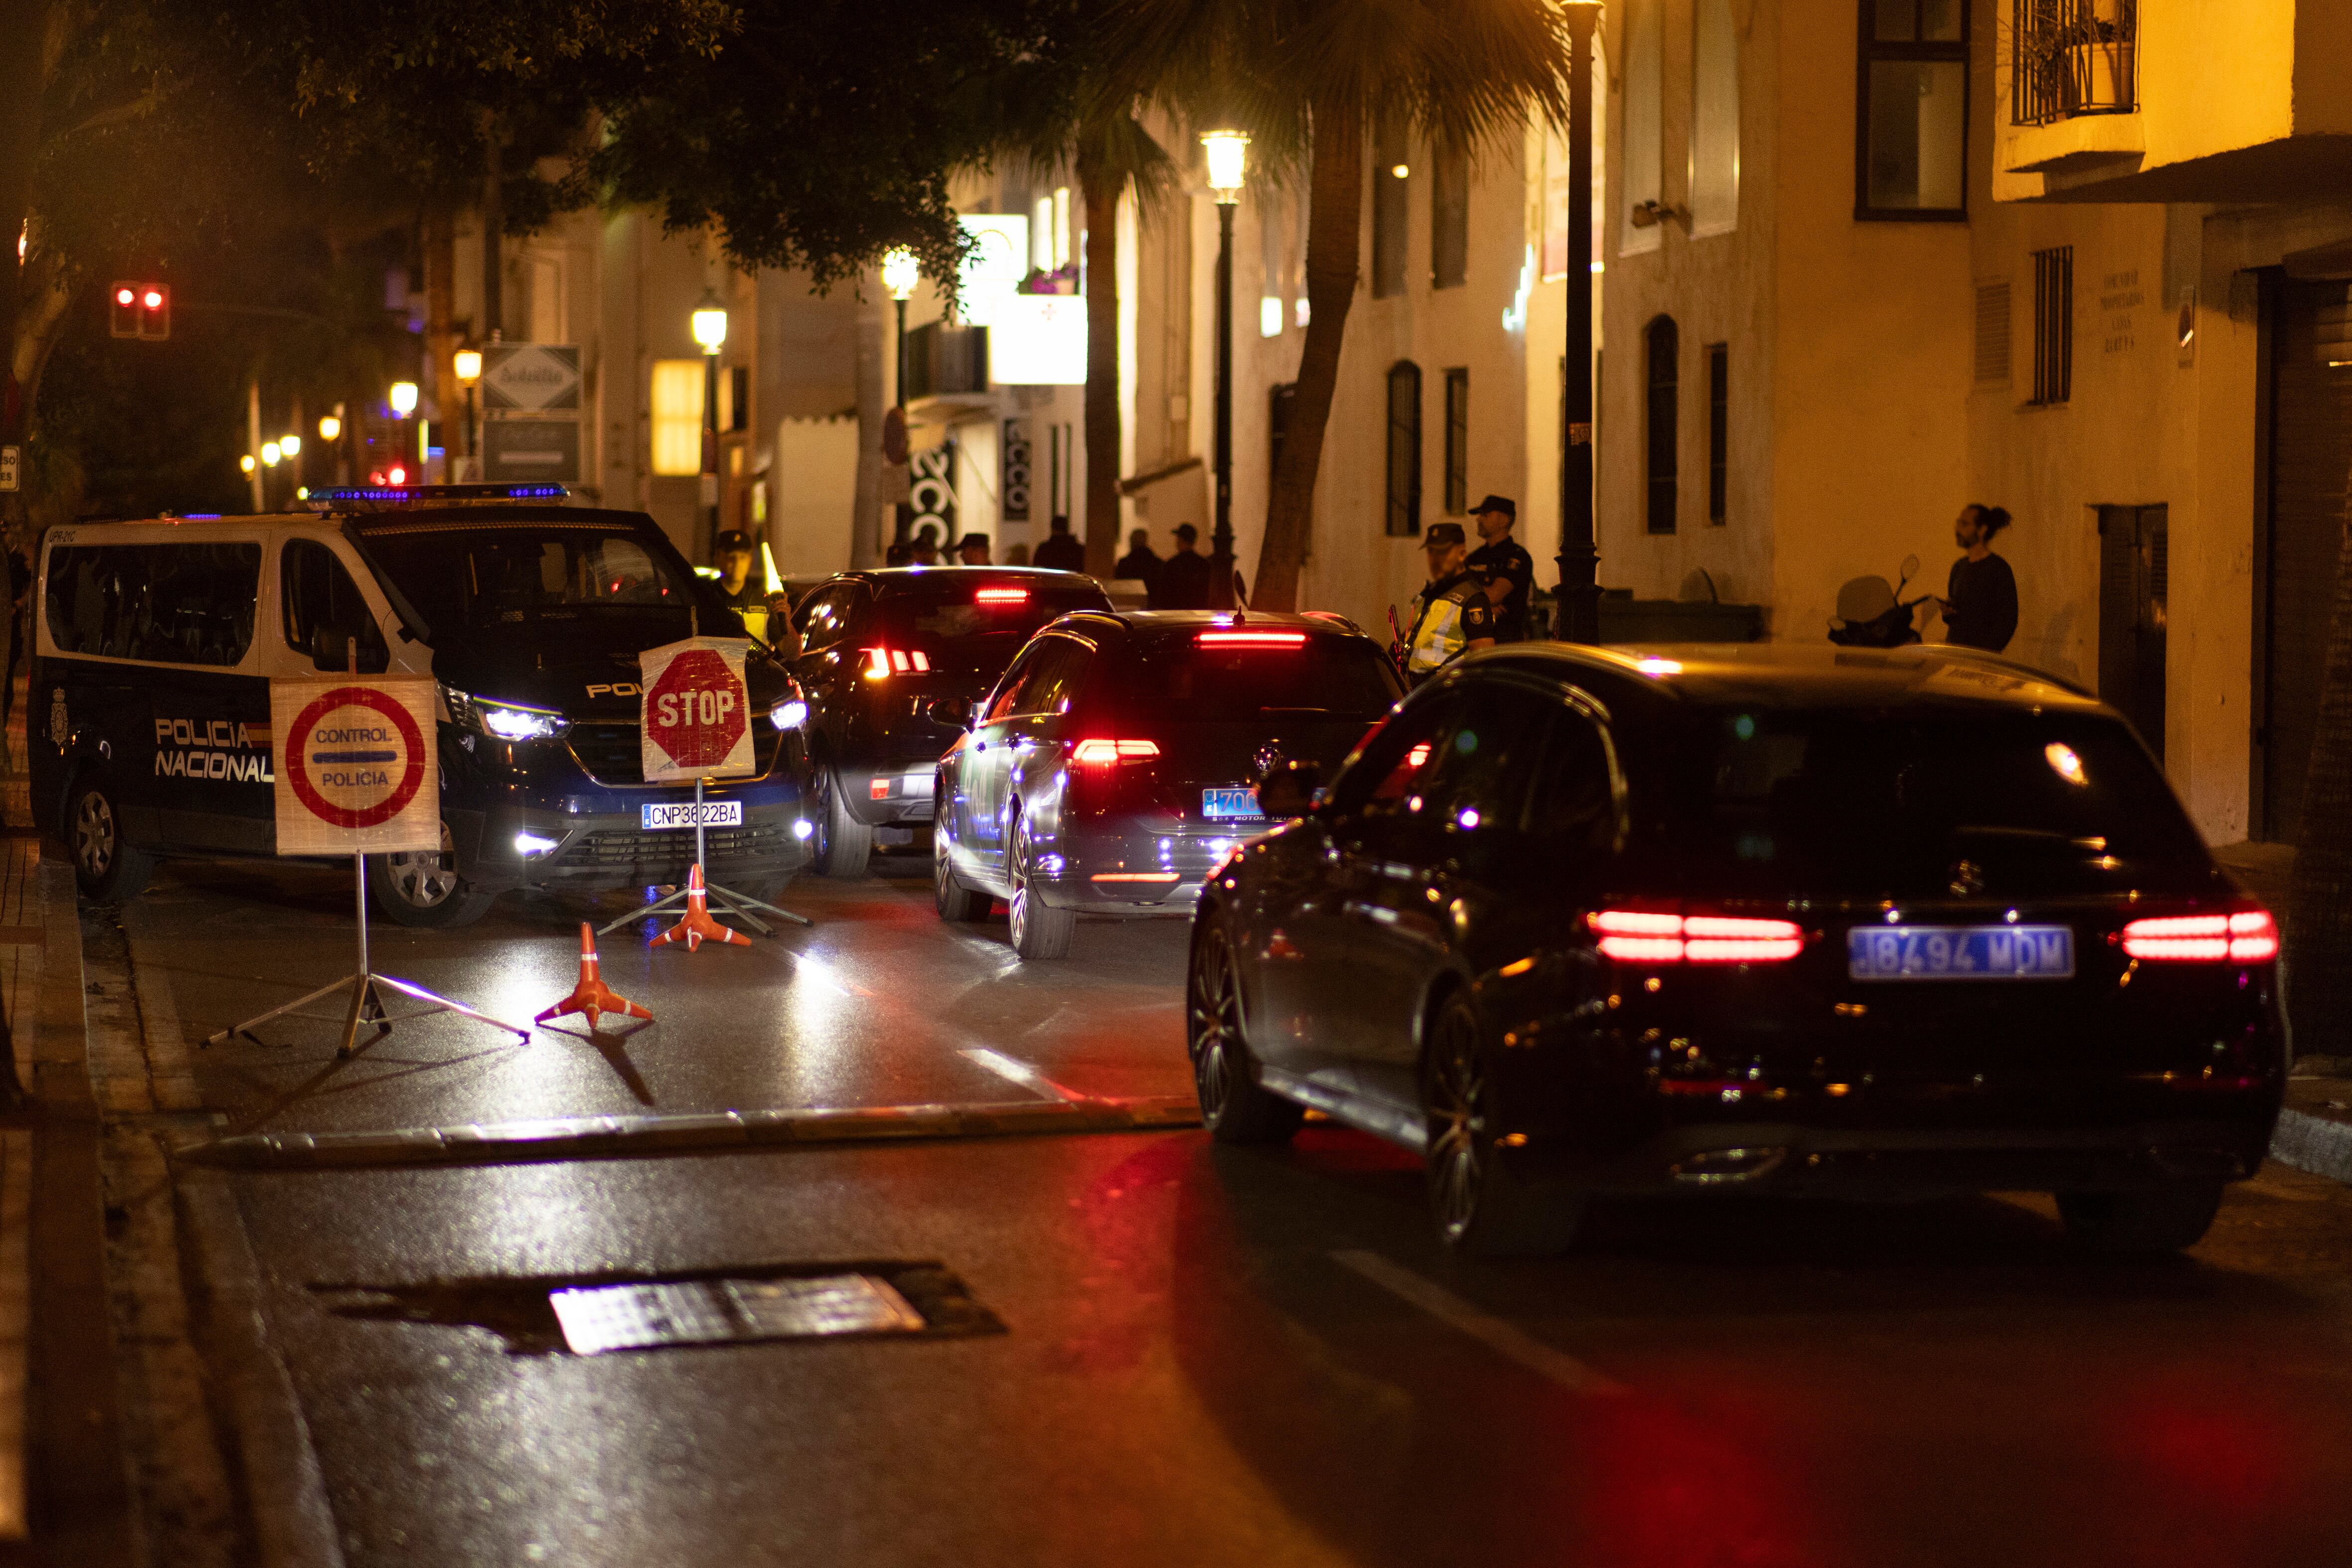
{"x":2072,"y":57}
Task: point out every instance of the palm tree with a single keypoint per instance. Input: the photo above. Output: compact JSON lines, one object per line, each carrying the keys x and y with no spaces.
{"x":1305,"y":79}
{"x":1113,"y":156}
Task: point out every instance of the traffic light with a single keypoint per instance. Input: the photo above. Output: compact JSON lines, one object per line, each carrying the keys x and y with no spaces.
{"x":140,"y":310}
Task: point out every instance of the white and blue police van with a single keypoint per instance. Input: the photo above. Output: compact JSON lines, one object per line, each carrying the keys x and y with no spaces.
{"x":154,"y":643}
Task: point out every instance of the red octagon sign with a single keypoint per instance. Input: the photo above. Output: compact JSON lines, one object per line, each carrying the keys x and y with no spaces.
{"x":694,"y":712}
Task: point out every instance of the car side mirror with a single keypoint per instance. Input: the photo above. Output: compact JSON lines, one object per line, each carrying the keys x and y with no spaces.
{"x":330,"y":651}
{"x":951,"y":712}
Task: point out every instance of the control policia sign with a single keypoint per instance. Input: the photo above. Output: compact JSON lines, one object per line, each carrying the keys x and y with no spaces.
{"x":356,"y":765}
{"x":697,"y":720}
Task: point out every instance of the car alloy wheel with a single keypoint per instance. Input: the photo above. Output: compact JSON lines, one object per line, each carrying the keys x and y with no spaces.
{"x":96,"y":839}
{"x":1039,"y":930}
{"x":954,"y":901}
{"x":423,"y":879}
{"x":1457,"y":1122}
{"x":1235,"y":1108}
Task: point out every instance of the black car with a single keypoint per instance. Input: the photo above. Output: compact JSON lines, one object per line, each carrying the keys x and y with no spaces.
{"x":880,"y":653}
{"x":1115,"y":764}
{"x":1805,"y":920}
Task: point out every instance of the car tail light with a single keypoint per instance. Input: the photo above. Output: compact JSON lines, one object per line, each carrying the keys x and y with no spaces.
{"x":1094,"y":753}
{"x":1647,"y":936}
{"x":2248,"y":936}
{"x":881,"y":663}
{"x":1251,"y":639}
{"x":1002,"y":596}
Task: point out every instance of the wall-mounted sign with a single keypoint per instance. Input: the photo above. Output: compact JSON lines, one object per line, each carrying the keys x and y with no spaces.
{"x":931,"y":483}
{"x":1038,"y":339}
{"x":522,"y":449}
{"x":531,"y":378}
{"x":1015,"y":476}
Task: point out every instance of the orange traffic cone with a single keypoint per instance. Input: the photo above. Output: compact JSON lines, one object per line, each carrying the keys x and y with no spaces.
{"x":697,"y":926}
{"x":592,"y":995}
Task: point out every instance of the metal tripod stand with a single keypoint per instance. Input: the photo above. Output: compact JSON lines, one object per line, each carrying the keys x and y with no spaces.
{"x":366,"y":988}
{"x":723,"y":900}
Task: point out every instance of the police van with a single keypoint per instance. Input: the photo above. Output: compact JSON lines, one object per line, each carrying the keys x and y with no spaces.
{"x":155,"y":641}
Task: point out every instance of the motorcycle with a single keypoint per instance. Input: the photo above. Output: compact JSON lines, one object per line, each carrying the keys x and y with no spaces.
{"x":1870,"y":614}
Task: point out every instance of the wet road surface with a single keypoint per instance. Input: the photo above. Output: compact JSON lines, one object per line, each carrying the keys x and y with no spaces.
{"x":1206,"y":1354}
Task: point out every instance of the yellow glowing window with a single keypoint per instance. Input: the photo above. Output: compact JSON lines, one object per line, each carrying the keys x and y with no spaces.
{"x":677,"y":416}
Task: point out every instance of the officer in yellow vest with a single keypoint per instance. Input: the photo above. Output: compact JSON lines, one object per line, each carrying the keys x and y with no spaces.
{"x":1452,"y":616}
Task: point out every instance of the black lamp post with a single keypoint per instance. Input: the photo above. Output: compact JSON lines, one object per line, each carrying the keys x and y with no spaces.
{"x":710,"y":332}
{"x":900,"y":272}
{"x":1578,"y":561}
{"x":1227,"y":154}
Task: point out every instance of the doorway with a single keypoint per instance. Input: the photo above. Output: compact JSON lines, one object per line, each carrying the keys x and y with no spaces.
{"x":2135,"y":563}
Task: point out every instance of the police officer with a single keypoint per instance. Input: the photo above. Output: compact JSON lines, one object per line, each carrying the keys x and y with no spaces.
{"x":1452,"y":616}
{"x":1504,"y":562}
{"x":732,"y":553}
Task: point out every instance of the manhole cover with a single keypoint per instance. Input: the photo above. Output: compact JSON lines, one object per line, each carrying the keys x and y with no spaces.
{"x":722,"y":1312}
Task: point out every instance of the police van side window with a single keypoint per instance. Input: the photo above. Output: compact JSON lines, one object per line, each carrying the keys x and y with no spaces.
{"x":316,"y":594}
{"x":161,"y":603}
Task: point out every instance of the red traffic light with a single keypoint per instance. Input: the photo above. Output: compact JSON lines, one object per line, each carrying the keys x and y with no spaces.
{"x":123,"y":295}
{"x":152,"y":299}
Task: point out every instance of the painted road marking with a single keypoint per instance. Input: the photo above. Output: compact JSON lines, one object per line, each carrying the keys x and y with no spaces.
{"x":1505,"y":1339}
{"x":1019,"y":1071}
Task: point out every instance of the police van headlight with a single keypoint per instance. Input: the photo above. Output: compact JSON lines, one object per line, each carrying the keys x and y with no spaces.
{"x":789,"y":715}
{"x":502,"y":721}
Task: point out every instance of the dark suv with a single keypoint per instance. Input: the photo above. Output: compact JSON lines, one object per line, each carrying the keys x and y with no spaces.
{"x":878,"y":649}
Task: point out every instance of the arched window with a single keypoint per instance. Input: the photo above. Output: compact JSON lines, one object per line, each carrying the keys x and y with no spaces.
{"x":1404,"y":448}
{"x":1664,"y":345}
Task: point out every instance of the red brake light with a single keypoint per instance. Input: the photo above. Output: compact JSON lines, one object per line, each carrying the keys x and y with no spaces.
{"x":123,"y":297}
{"x":1095,"y":753}
{"x":152,"y":298}
{"x":2249,"y":936}
{"x":1644,"y":937}
{"x":881,"y":663}
{"x":1251,"y":639}
{"x":1002,"y":596}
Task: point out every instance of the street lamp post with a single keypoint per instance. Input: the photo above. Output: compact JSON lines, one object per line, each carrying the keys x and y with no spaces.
{"x":900,"y":273}
{"x":1578,"y":561}
{"x":710,"y":332}
{"x":468,"y":363}
{"x":1227,"y":153}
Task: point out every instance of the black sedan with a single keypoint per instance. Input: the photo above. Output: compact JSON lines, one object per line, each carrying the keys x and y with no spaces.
{"x":1749,"y":918}
{"x":878,"y":651}
{"x":1116,"y":762}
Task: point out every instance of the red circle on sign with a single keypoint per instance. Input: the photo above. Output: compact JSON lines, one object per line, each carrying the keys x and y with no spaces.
{"x":705,"y":718}
{"x":297,"y":766}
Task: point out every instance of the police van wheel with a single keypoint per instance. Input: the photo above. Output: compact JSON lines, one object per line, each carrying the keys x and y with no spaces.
{"x":424,"y":889}
{"x":107,"y":869}
{"x":844,"y":844}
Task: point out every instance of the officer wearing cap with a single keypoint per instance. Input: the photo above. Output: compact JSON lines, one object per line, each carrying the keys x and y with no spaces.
{"x":1509,"y":571}
{"x":732,"y":552}
{"x":972,"y":550}
{"x":1452,"y":616}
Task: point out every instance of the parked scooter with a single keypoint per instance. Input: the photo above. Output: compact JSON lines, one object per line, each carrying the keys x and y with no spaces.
{"x":1870,"y":614}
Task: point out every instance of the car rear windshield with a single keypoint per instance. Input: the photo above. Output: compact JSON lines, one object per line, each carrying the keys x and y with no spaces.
{"x":975,"y":626}
{"x":1859,"y":802}
{"x":1180,"y":677}
{"x":478,"y":576}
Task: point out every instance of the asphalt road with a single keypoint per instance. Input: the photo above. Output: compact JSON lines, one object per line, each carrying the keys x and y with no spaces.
{"x":1178,"y":1353}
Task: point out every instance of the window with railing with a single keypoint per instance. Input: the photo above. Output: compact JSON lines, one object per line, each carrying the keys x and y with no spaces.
{"x":2072,"y":57}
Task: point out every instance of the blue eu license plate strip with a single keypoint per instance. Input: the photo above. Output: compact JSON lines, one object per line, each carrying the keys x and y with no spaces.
{"x":1226,"y":804}
{"x":1960,"y":953}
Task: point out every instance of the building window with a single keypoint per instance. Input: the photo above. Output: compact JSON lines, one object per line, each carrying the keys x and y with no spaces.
{"x":1912,"y":128}
{"x":1644,"y":129}
{"x":1449,"y":217}
{"x":1280,"y":400}
{"x":2054,"y":324}
{"x":1404,"y":449}
{"x":1718,"y":432}
{"x":735,"y":399}
{"x":1664,"y":345}
{"x":1992,"y":334}
{"x":1458,"y":442}
{"x":1715,"y":118}
{"x":677,"y":416}
{"x":2072,"y":57}
{"x":1390,"y":181}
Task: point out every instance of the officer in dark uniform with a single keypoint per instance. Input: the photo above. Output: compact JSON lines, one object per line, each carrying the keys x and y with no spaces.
{"x":1509,"y":571}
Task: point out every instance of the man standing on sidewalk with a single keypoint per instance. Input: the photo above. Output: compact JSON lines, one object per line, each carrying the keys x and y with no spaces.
{"x":1979,"y":603}
{"x":1508,"y":570}
{"x":1452,"y":616}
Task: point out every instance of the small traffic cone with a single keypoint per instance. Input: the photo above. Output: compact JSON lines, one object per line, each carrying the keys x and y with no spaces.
{"x":697,"y":928}
{"x":592,"y":995}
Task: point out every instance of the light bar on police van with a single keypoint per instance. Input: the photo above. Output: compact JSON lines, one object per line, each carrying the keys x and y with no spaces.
{"x":340,"y":497}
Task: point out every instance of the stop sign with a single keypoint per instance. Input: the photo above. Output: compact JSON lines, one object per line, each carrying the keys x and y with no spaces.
{"x":696,"y":717}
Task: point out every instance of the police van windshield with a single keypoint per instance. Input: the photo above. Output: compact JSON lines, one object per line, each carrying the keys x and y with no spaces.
{"x":478,"y":577}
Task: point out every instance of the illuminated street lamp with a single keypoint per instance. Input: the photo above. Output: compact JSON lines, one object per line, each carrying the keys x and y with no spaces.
{"x":1228,"y":158}
{"x":330,"y":427}
{"x":269,"y":454}
{"x":900,"y":273}
{"x":245,"y":463}
{"x":291,"y":445}
{"x":710,"y":326}
{"x":468,"y":363}
{"x":1578,"y":616}
{"x":402,"y":398}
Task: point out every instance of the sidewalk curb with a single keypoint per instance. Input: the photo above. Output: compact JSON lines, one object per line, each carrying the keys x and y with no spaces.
{"x":277,"y":1468}
{"x":623,"y":1137}
{"x":2314,"y":1144}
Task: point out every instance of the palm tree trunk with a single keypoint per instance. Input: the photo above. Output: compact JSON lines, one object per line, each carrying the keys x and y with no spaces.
{"x":2319,"y":927}
{"x":1100,"y":189}
{"x":1335,"y":193}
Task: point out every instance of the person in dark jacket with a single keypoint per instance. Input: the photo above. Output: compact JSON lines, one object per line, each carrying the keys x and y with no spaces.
{"x":1508,"y":571}
{"x":1061,"y":551}
{"x":1138,"y":562}
{"x":1979,"y":603}
{"x":1186,"y":580}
